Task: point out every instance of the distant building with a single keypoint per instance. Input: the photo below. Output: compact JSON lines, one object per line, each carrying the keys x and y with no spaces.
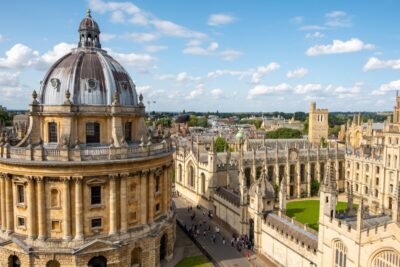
{"x":274,"y":123}
{"x":318,"y":126}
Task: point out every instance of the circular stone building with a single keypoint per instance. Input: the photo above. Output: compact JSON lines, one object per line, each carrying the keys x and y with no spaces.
{"x":88,"y":185}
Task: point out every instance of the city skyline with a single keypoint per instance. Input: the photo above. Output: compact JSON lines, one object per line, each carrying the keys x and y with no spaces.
{"x":229,"y":56}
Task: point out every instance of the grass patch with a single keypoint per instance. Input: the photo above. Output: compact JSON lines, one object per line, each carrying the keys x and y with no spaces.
{"x":307,"y":211}
{"x":195,"y":261}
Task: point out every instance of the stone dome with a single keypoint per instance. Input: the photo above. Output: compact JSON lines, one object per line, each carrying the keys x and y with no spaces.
{"x":88,"y":74}
{"x":262,"y":187}
{"x":239,"y":136}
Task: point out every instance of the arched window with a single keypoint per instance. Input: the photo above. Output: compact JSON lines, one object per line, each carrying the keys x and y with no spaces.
{"x":191,"y":176}
{"x":180,"y":172}
{"x":53,"y":263}
{"x":92,"y":133}
{"x":203,"y":183}
{"x":157,"y":184}
{"x":13,"y":261}
{"x":387,"y":258}
{"x":163,"y":247}
{"x":54,"y":198}
{"x":136,"y":260}
{"x":340,"y":255}
{"x":98,"y":261}
{"x":128,"y":131}
{"x":52,"y":128}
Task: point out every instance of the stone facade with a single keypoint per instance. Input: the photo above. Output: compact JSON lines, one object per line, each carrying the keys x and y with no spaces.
{"x":318,"y":126}
{"x":88,"y":185}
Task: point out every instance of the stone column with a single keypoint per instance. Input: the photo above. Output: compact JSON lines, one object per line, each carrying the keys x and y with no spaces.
{"x":165,"y":192}
{"x":41,"y":209}
{"x":123,"y":202}
{"x":3,"y":203}
{"x":113,"y":204}
{"x":78,"y":209}
{"x":298,"y":182}
{"x":151,"y":196}
{"x":31,"y":208}
{"x":143,"y":197}
{"x":9,"y":205}
{"x":66,"y":210}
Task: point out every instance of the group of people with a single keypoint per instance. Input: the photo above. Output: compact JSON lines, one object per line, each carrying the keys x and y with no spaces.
{"x":241,"y":242}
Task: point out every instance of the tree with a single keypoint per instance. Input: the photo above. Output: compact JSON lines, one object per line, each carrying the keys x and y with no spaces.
{"x":323,"y":142}
{"x":285,"y":133}
{"x":220,"y":144}
{"x":314,"y":187}
{"x":258,"y":123}
{"x":202,"y":122}
{"x":166,"y":122}
{"x":193,"y":120}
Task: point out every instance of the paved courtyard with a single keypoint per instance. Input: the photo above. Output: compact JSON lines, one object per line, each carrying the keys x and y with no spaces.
{"x":225,"y":255}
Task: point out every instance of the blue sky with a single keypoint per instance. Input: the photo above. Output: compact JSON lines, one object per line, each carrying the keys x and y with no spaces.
{"x":226,"y":55}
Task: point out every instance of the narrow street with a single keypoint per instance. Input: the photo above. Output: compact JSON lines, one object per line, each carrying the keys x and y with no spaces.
{"x":225,"y":255}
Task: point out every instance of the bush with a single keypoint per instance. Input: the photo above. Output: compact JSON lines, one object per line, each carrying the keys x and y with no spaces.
{"x":284,"y":133}
{"x":314,"y":187}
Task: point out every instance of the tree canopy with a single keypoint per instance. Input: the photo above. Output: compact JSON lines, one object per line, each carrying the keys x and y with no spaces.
{"x":284,"y":133}
{"x":220,"y":144}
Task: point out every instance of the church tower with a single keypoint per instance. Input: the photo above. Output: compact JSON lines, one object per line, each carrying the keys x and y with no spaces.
{"x":317,"y":124}
{"x":396,"y":110}
{"x":328,"y":193}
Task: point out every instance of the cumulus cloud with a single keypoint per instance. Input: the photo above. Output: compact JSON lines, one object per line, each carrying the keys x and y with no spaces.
{"x":337,"y":19}
{"x":314,"y":35}
{"x":220,"y":19}
{"x":20,"y":56}
{"x":216,"y":93}
{"x":57,"y":52}
{"x":196,"y":92}
{"x":9,"y":79}
{"x":181,"y":77}
{"x":141,"y":37}
{"x":386,"y":87}
{"x":219,"y":73}
{"x":345,"y":92}
{"x":142,"y":62}
{"x":338,"y":46}
{"x":230,"y":54}
{"x":200,"y":51}
{"x":307,"y":88}
{"x":194,"y":47}
{"x":122,"y":12}
{"x":297,"y":73}
{"x":155,"y":48}
{"x":374,"y":63}
{"x":263,"y":70}
{"x":261,"y":90}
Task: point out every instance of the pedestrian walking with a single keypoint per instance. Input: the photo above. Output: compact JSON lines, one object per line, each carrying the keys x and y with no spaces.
{"x":248,"y":255}
{"x":223,"y":241}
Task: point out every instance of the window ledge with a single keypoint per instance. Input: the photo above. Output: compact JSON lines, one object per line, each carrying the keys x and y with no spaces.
{"x":21,"y":205}
{"x":97,"y":206}
{"x":21,"y":227}
{"x":97,"y":229}
{"x":156,"y":194}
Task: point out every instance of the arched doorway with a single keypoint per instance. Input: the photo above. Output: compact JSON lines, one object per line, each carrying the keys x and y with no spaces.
{"x":251,"y":231}
{"x":136,"y":259}
{"x":53,"y":263}
{"x":163,"y":247}
{"x":98,"y":261}
{"x":13,"y":261}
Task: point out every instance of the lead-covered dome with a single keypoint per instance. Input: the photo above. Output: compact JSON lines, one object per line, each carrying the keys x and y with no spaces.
{"x":88,"y":73}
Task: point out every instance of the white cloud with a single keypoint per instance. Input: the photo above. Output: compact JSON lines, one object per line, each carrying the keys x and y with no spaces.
{"x":154,"y":48}
{"x":230,"y":54}
{"x":1,"y":38}
{"x":345,"y":92}
{"x":335,"y":14}
{"x":181,"y":77}
{"x":117,"y":17}
{"x":193,"y":43}
{"x":338,"y":46}
{"x":126,"y":11}
{"x":220,"y":19}
{"x":196,"y":92}
{"x":384,"y":88}
{"x":338,"y":18}
{"x":307,"y":88}
{"x":19,"y":56}
{"x":260,"y":90}
{"x":297,"y":20}
{"x":315,"y":35}
{"x":374,"y":63}
{"x":56,"y":53}
{"x":216,"y":93}
{"x":261,"y":71}
{"x":107,"y":37}
{"x":219,"y":73}
{"x":200,"y":51}
{"x":141,"y":37}
{"x":9,"y":79}
{"x":142,"y":62}
{"x":312,"y":28}
{"x":297,"y":73}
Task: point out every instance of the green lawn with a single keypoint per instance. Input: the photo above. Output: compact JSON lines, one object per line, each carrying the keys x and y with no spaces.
{"x":195,"y":261}
{"x":307,"y":211}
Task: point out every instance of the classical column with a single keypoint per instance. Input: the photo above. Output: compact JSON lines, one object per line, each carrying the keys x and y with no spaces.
{"x":9,"y":205}
{"x":123,"y":202}
{"x":143,"y":197}
{"x":31,"y":208}
{"x":78,"y":209}
{"x":3,"y":203}
{"x":41,"y":209}
{"x":67,"y":210}
{"x":165,"y":192}
{"x":113,"y":204}
{"x":151,"y":196}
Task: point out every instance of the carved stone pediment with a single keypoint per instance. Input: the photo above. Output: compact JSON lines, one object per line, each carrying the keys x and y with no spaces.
{"x":95,"y":246}
{"x":96,"y":181}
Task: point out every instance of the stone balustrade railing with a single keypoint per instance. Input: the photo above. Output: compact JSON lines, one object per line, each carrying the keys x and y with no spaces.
{"x":80,"y":153}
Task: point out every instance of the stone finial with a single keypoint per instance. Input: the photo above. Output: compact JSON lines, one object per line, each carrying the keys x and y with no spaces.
{"x":34,"y":97}
{"x":88,"y":13}
{"x":141,"y":101}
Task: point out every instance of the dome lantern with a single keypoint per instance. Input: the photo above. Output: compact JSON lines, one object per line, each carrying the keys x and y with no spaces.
{"x":89,"y":32}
